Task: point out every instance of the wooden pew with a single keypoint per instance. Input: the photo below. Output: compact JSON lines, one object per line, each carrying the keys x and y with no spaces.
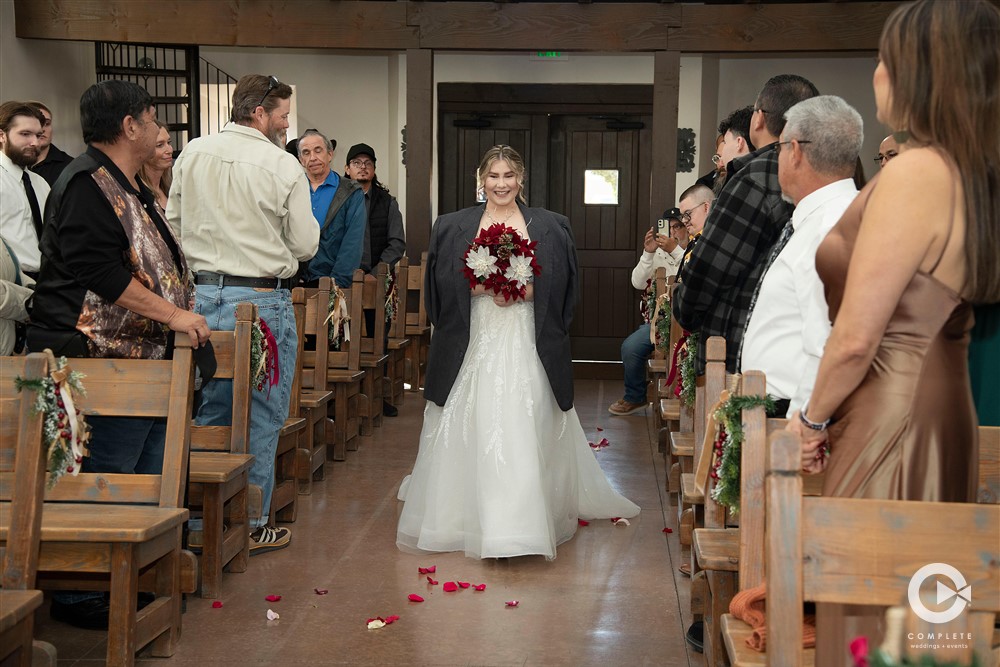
{"x":336,"y":370}
{"x":718,"y":548}
{"x":100,"y":530}
{"x":418,"y":330}
{"x":220,"y":465}
{"x":373,"y":356}
{"x":398,"y":341}
{"x":23,"y":452}
{"x":854,"y":551}
{"x":989,"y":464}
{"x":314,"y":404}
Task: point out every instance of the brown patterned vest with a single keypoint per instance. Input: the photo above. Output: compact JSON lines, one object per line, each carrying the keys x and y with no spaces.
{"x":113,"y":331}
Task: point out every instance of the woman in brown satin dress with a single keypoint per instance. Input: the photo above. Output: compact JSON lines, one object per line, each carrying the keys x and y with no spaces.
{"x":901,"y":269}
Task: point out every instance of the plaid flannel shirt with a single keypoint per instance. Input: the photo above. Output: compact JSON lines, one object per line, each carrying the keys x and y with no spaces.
{"x":719,"y":279}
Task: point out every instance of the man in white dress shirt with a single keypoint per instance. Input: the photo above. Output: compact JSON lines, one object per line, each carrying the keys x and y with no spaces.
{"x":22,"y":192}
{"x":789,"y":323}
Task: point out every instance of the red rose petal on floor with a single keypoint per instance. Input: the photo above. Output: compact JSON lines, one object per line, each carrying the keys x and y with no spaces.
{"x":480,"y":587}
{"x":464,"y":584}
{"x":321,"y":591}
{"x":450,"y":587}
{"x":413,"y":597}
{"x":427,"y":570}
{"x":389,"y":620}
{"x":273,"y":598}
{"x":582,"y":522}
{"x":603,"y":443}
{"x":217,"y":604}
{"x":668,"y":530}
{"x":512,"y":603}
{"x":599,"y":428}
{"x":432,"y":582}
{"x":614,"y":519}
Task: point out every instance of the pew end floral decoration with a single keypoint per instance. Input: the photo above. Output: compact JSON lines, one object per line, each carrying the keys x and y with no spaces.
{"x":391,"y":296}
{"x":682,"y":368}
{"x":64,"y":430}
{"x":502,"y":261}
{"x":728,"y":444}
{"x":263,"y":356}
{"x":338,"y":321}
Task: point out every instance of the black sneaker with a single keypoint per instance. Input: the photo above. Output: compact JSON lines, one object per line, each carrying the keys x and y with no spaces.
{"x":388,"y":409}
{"x":266,"y":539}
{"x":90,"y":614}
{"x":695,"y":637}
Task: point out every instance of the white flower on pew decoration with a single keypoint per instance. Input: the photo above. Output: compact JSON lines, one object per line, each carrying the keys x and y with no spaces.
{"x":64,"y":429}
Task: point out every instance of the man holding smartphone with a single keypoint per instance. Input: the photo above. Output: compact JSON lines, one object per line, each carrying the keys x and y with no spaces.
{"x":663,"y":246}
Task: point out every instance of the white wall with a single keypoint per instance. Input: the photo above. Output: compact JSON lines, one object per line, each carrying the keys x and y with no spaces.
{"x":54,"y":73}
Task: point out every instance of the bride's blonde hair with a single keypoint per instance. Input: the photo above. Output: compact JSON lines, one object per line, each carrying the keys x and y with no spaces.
{"x":511,"y":157}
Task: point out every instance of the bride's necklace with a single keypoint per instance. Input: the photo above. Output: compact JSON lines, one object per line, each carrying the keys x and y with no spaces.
{"x":500,"y":222}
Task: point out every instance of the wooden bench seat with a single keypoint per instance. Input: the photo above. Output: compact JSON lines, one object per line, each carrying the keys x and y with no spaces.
{"x":670,"y":409}
{"x":15,"y":607}
{"x":416,"y":328}
{"x":218,"y":467}
{"x":717,"y":549}
{"x":690,"y":495}
{"x":80,"y":523}
{"x":682,"y":444}
{"x":736,"y":633}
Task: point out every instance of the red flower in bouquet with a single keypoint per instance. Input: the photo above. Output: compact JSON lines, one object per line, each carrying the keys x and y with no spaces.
{"x":501,"y":260}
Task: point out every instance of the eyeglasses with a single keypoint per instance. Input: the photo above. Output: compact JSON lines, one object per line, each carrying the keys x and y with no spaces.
{"x":716,"y":159}
{"x":272,"y":83}
{"x":761,"y":110}
{"x":882,"y":158}
{"x":678,"y":227}
{"x":362,"y":164}
{"x":800,"y":142}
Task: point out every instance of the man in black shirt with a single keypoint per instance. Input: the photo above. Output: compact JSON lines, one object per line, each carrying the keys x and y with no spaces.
{"x":51,"y":161}
{"x":113,"y":281}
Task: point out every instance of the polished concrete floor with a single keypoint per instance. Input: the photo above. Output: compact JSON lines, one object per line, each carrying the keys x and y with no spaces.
{"x":611,"y":597}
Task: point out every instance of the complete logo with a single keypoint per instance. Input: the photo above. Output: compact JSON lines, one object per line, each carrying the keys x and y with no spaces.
{"x":961,"y":593}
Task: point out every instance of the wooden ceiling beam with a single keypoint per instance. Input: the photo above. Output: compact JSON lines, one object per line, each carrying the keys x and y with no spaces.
{"x":387,"y":25}
{"x":303,"y":23}
{"x":760,"y":27}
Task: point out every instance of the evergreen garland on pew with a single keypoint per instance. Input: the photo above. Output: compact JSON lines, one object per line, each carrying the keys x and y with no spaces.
{"x":688,"y":377}
{"x":728,"y":443}
{"x":64,"y":430}
{"x":663,"y":322}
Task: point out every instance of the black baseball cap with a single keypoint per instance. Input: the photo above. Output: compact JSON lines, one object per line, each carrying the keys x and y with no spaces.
{"x":360,"y":149}
{"x":672,"y":214}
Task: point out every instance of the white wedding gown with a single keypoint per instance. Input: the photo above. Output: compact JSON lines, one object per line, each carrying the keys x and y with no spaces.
{"x":501,"y":470}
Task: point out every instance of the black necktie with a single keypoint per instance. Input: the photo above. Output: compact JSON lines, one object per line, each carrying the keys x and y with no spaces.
{"x":36,"y":213}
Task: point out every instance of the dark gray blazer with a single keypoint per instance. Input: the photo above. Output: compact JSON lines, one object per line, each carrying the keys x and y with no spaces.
{"x":448,"y":298}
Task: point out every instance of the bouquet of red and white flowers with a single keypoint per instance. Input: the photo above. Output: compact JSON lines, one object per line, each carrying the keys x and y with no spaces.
{"x":501,"y":260}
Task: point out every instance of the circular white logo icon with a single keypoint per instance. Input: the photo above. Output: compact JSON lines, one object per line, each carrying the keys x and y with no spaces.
{"x":961,"y":593}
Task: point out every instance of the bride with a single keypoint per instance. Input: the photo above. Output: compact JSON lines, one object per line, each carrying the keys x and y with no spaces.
{"x":504,"y":468}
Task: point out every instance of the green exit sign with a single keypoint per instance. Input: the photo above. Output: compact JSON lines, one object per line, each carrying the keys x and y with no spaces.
{"x":549,"y":55}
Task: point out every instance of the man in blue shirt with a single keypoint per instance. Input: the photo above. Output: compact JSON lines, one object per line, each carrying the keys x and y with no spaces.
{"x":338,"y":204}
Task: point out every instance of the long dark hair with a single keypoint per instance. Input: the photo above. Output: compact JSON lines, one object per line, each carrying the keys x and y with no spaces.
{"x":944,"y":67}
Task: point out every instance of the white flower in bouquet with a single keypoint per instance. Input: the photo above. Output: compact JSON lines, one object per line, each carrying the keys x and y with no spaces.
{"x":481,"y":262}
{"x":519,"y":270}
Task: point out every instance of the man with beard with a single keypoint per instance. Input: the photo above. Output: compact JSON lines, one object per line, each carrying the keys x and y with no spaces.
{"x":22,"y":193}
{"x":240,"y":206}
{"x":338,"y":204}
{"x":50,"y":161}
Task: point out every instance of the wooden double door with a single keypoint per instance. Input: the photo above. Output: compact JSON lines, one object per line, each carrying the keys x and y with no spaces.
{"x":558,"y":150}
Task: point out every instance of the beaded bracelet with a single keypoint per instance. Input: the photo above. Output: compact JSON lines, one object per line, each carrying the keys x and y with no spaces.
{"x":815,"y":426}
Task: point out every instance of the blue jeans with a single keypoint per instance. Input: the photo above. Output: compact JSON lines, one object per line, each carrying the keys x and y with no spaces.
{"x":269,"y":408}
{"x":129,"y":445}
{"x":635,"y":351}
